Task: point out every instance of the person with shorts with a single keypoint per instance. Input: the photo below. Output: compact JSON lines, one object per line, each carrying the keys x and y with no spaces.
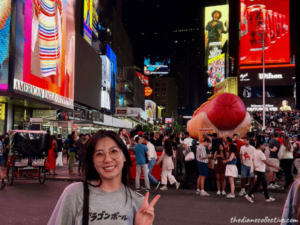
{"x":273,"y":159}
{"x":202,"y":159}
{"x":246,"y":157}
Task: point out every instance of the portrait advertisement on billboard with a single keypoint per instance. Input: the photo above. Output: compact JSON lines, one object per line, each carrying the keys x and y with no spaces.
{"x":150,"y":108}
{"x":88,"y":20}
{"x":5,"y":17}
{"x":106,"y":83}
{"x":216,"y":70}
{"x":216,"y":31}
{"x":156,"y":65}
{"x":45,"y":50}
{"x":264,"y":23}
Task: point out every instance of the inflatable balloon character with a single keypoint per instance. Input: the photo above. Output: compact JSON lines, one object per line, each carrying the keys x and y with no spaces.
{"x":225,"y":113}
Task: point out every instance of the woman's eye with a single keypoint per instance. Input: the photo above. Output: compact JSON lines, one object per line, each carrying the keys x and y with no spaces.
{"x":99,"y":154}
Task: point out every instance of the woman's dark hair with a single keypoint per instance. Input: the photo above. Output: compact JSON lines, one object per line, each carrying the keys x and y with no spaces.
{"x":229,"y":139}
{"x":218,"y":151}
{"x":91,"y":172}
{"x":287,"y":144}
{"x":51,"y":138}
{"x":232,"y":148}
{"x":177,"y":140}
{"x":70,"y":136}
{"x":168,"y":148}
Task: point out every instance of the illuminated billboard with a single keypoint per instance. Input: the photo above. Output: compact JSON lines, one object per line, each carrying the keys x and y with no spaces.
{"x":143,"y":79}
{"x":5,"y":9}
{"x":88,"y":20}
{"x":150,"y":108}
{"x":106,"y":83}
{"x":113,"y":66}
{"x":216,"y":31}
{"x":156,"y":66}
{"x":45,"y":50}
{"x":216,"y":70}
{"x":229,"y":85}
{"x":96,"y":8}
{"x":268,"y":21}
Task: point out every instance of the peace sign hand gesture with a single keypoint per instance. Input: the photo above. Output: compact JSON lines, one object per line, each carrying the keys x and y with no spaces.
{"x":145,"y":215}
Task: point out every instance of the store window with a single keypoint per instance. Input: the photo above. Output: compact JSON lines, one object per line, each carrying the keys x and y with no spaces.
{"x":22,"y":116}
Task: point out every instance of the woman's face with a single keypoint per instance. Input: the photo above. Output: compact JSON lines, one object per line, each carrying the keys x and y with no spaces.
{"x":221,"y":148}
{"x":109,"y":169}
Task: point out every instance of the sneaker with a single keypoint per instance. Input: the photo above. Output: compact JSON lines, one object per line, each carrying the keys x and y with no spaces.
{"x":270,"y":199}
{"x":138,"y":190}
{"x":249,"y":198}
{"x":276,"y":185}
{"x":177,"y":185}
{"x":230,"y":196}
{"x":271,"y":186}
{"x":204,"y":193}
{"x":163,"y":188}
{"x":147,"y":190}
{"x":219,"y":193}
{"x":144,"y":188}
{"x":252,"y":196}
{"x":2,"y":186}
{"x":157,"y":186}
{"x":198,"y":192}
{"x":242,"y":192}
{"x":223,"y":193}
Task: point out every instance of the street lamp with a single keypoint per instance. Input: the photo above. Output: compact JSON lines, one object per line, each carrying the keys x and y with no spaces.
{"x":264,"y":84}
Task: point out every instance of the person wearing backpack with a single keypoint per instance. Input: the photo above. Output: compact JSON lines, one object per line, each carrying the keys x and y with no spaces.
{"x":297,"y":154}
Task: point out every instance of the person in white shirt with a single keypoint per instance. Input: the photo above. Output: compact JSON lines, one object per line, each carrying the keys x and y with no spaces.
{"x":260,"y":162}
{"x":246,"y":157}
{"x":187,"y":142}
{"x":152,"y":156}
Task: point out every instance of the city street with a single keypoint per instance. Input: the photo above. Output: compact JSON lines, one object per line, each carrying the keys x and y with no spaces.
{"x":28,"y":202}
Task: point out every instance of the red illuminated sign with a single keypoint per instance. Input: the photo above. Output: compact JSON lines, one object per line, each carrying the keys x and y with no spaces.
{"x":143,"y":79}
{"x":264,"y":21}
{"x":148,"y":91}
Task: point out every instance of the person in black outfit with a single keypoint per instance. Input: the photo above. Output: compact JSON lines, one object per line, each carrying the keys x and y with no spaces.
{"x":158,"y":141}
{"x":152,"y":140}
{"x":6,"y":148}
{"x":191,"y":166}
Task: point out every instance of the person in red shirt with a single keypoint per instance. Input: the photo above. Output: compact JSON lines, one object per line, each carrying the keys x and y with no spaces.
{"x":239,"y":143}
{"x":280,"y":139}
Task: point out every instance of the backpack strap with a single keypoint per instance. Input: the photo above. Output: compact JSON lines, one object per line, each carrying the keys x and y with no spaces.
{"x":85,"y":217}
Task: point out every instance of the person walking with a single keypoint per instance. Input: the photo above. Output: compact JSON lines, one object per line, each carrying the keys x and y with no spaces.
{"x":246,"y":157}
{"x":167,"y":166}
{"x":260,"y":163}
{"x":141,"y":153}
{"x":67,"y":146}
{"x":1,"y":162}
{"x":296,"y":151}
{"x":179,"y":147}
{"x":59,"y":161}
{"x":80,"y":145}
{"x":189,"y":166}
{"x":152,"y":156}
{"x":231,"y":170}
{"x":285,"y":154}
{"x":202,"y":158}
{"x":273,"y":159}
{"x":72,"y":153}
{"x":51,"y":158}
{"x":220,"y":168}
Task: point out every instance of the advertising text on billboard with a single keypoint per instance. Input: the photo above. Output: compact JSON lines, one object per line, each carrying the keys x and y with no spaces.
{"x":157,"y":65}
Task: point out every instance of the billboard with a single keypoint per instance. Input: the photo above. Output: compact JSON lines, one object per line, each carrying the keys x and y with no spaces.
{"x":264,"y":21}
{"x":216,"y":31}
{"x":150,"y":108}
{"x":113,"y":71}
{"x":157,"y":65}
{"x":45,"y":50}
{"x":216,"y":70}
{"x":96,"y":8}
{"x":5,"y":10}
{"x":168,"y":120}
{"x":272,"y":104}
{"x":88,"y":20}
{"x":143,"y":79}
{"x":106,"y":83}
{"x":229,"y":85}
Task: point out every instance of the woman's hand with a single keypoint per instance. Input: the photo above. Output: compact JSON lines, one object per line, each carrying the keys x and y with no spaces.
{"x":145,"y":215}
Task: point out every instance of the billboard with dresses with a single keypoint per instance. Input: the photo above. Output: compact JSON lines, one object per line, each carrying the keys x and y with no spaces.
{"x":45,"y":50}
{"x":5,"y":11}
{"x":264,"y":23}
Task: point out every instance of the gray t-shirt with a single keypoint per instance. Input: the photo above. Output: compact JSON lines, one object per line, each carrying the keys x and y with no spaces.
{"x":104,"y":207}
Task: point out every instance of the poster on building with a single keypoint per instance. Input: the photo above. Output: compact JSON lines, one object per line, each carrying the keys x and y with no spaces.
{"x":216,"y":31}
{"x":96,"y":8}
{"x":113,"y":71}
{"x":216,"y":70}
{"x":88,"y":20}
{"x":229,"y":85}
{"x":106,"y":83}
{"x":45,"y":50}
{"x":5,"y":10}
{"x":264,"y":23}
{"x":150,"y":108}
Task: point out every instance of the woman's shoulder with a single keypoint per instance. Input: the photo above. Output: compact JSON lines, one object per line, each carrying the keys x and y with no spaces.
{"x":137,"y":198}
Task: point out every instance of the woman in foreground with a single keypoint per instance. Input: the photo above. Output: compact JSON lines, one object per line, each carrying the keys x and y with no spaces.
{"x":111,"y":201}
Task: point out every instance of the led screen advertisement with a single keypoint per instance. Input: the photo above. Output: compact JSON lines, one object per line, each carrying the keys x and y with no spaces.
{"x":156,"y":66}
{"x":143,"y":79}
{"x":113,"y":65}
{"x":96,"y":8}
{"x":264,"y":21}
{"x":216,"y":31}
{"x":272,"y":104}
{"x":106,"y":83}
{"x":45,"y":50}
{"x":5,"y":10}
{"x":216,"y":70}
{"x":88,"y":20}
{"x":150,"y":108}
